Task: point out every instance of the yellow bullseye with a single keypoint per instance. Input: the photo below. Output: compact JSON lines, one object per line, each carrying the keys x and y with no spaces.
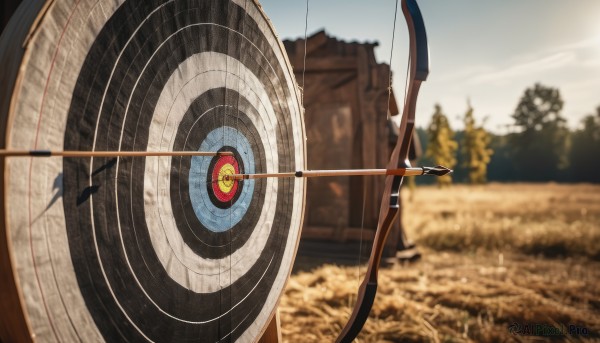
{"x":225,"y":185}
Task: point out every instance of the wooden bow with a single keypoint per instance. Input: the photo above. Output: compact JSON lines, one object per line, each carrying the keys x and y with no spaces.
{"x":419,"y":69}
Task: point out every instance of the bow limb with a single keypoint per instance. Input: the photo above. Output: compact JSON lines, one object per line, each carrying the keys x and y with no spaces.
{"x":419,"y":69}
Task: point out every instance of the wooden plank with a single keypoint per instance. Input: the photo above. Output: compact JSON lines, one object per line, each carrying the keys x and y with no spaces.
{"x":368,"y":128}
{"x":273,"y":332}
{"x":326,"y":65}
{"x":328,"y":137}
{"x":314,"y":42}
{"x":330,"y":233}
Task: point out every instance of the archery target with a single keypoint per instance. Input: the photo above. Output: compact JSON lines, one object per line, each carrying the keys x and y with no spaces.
{"x":154,"y":248}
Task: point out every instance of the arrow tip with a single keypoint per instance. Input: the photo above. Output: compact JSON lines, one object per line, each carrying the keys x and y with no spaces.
{"x":438,"y":170}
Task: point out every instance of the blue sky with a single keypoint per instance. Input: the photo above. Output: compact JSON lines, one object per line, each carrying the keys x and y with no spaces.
{"x":489,"y":52}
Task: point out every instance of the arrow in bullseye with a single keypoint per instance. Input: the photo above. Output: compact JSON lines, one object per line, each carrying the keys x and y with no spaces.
{"x":437,"y":171}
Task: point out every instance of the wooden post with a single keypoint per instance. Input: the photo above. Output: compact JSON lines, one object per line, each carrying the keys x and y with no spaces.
{"x":273,"y":332}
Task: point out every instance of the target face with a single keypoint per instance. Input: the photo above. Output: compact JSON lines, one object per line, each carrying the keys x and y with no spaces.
{"x":154,"y":248}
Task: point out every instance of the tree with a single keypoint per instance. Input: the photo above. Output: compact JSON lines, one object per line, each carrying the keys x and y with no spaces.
{"x":585,"y":150}
{"x":476,"y":151}
{"x":541,"y":142}
{"x":441,"y":145}
{"x":501,"y":167}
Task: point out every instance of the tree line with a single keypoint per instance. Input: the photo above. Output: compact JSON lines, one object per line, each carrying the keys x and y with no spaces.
{"x":540,"y":148}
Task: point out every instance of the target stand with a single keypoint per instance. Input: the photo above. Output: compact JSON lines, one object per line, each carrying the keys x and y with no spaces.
{"x":152,"y":248}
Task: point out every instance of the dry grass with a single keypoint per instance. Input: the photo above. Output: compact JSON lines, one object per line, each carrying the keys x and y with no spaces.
{"x":485,"y":266}
{"x":548,"y":219}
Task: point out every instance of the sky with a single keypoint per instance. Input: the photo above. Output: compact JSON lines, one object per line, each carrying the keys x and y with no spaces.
{"x":487,"y":52}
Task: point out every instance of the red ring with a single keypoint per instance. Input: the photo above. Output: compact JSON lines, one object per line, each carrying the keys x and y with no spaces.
{"x":219,"y":194}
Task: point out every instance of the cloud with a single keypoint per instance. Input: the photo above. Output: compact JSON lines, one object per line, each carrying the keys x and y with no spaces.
{"x":588,"y":43}
{"x":526,"y":68}
{"x":464,"y":73}
{"x":556,"y":58}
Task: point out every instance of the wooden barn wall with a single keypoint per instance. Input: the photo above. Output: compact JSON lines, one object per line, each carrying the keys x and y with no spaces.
{"x":346,"y":98}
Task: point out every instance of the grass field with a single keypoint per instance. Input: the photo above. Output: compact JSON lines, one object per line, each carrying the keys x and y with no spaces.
{"x":494,"y":256}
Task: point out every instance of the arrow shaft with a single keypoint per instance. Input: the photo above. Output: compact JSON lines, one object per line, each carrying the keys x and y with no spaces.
{"x":49,"y":153}
{"x":360,"y":172}
{"x":337,"y":172}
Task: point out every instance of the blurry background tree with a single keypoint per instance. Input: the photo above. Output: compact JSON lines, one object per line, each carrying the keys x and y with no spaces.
{"x":540,"y":147}
{"x":541,"y":143}
{"x":475,"y":148}
{"x":441,"y":144}
{"x":585,"y":150}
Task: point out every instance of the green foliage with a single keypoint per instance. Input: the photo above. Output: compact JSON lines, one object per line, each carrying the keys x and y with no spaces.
{"x":541,"y":149}
{"x":442,"y":146}
{"x":585,"y":150}
{"x":475,"y":148}
{"x":422,"y":160}
{"x":501,"y":167}
{"x":541,"y":143}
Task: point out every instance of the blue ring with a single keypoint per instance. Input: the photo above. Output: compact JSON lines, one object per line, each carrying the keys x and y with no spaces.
{"x":213,"y":218}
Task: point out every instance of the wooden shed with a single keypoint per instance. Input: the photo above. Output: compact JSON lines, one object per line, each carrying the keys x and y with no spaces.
{"x":346,"y":101}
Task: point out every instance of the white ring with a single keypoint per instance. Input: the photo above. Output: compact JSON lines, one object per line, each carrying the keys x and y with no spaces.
{"x":198,"y":274}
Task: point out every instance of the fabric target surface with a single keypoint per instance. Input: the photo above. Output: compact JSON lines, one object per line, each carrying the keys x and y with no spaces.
{"x":156,"y":248}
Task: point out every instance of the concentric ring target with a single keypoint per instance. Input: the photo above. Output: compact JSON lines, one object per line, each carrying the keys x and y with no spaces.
{"x":155,"y":248}
{"x":226,"y":188}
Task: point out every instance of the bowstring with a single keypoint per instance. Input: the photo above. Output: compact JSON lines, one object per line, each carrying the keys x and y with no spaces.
{"x":362,"y":226}
{"x":388,"y":116}
{"x":304,"y":60}
{"x":225,"y":108}
{"x":388,"y":112}
{"x":237,"y":118}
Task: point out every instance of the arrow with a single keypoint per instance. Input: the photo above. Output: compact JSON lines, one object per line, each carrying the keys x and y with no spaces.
{"x":438,"y":171}
{"x":48,"y":153}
